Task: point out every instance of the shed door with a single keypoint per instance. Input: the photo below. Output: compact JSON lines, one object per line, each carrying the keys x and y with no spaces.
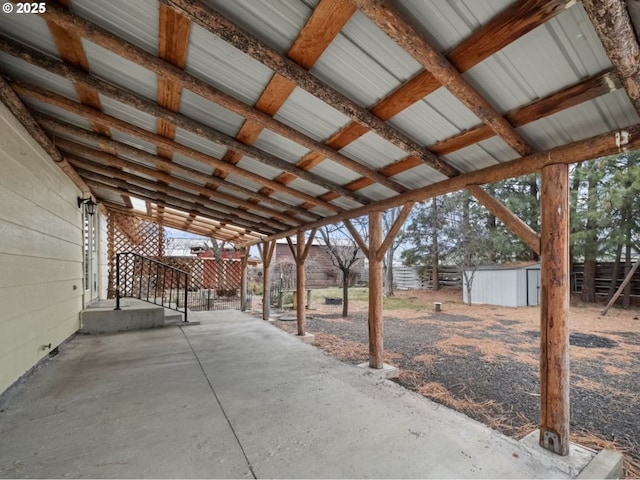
{"x":533,"y":287}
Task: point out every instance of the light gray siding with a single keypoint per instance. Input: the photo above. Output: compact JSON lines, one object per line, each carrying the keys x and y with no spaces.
{"x":40,"y":252}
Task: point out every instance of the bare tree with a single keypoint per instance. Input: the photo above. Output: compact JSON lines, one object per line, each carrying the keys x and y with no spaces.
{"x":345,"y":255}
{"x":388,"y":219}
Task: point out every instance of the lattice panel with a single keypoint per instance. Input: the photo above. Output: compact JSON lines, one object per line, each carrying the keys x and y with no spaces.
{"x":214,"y":283}
{"x":130,"y":234}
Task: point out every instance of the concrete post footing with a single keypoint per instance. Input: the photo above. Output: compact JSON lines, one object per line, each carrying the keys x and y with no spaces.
{"x":387,"y":371}
{"x":306,"y":338}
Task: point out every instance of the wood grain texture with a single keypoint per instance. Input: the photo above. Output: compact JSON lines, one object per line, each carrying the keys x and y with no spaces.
{"x":321,"y":28}
{"x":523,"y":231}
{"x":376,"y":347}
{"x":554,"y":310}
{"x":242,"y":192}
{"x":587,"y":149}
{"x":616,"y":32}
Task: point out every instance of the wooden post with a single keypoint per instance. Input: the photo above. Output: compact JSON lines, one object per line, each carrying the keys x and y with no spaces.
{"x":375,"y":291}
{"x":300,"y":283}
{"x":554,"y":310}
{"x":266,"y":252}
{"x":243,"y":278}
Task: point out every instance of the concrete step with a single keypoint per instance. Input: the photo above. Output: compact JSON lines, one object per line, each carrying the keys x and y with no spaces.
{"x":171,"y":317}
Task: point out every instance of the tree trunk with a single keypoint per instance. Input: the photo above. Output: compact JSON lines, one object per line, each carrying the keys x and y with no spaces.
{"x":345,"y":293}
{"x":573,"y":205}
{"x":613,"y":286}
{"x":533,"y":191}
{"x":435,"y":274}
{"x":389,"y":280}
{"x":591,"y":241}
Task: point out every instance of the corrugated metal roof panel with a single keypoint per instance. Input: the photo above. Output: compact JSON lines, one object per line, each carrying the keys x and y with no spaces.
{"x":279,"y":146}
{"x":128,"y":114}
{"x":349,"y":70}
{"x":208,"y":113}
{"x":139,"y":25}
{"x":345,"y":203}
{"x":108,"y":196}
{"x":283,"y":197}
{"x":29,"y":29}
{"x":138,"y":174}
{"x":376,"y":44}
{"x":20,"y":70}
{"x":609,"y":112}
{"x":311,"y":116}
{"x":438,"y":116}
{"x":243,"y":182}
{"x":470,"y":158}
{"x":201,"y":144}
{"x":567,"y":45}
{"x":58,"y":113}
{"x":138,"y":161}
{"x":419,"y":176}
{"x":216,"y":62}
{"x":276,"y":22}
{"x":307,"y":187}
{"x":498,"y":149}
{"x":254,"y":166}
{"x":119,"y":71}
{"x":445,"y":23}
{"x":332,"y":171}
{"x":376,"y":192}
{"x":191,"y":163}
{"x":373,"y":151}
{"x":188,"y":178}
{"x":133,"y":141}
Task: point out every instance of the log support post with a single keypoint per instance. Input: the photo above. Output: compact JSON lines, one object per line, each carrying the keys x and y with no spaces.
{"x":299,"y":251}
{"x":375,"y":291}
{"x":266,"y":250}
{"x":244,"y":258}
{"x":554,"y":310}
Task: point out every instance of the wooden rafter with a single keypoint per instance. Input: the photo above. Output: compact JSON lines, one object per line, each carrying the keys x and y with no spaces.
{"x":254,"y":47}
{"x":515,"y":21}
{"x":84,"y":152}
{"x":165,"y":196}
{"x":613,"y":25}
{"x":389,"y":21}
{"x":162,"y":142}
{"x":69,"y":131}
{"x":170,"y":219}
{"x":21,"y":112}
{"x":163,"y":181}
{"x":105,"y":39}
{"x":609,"y":143}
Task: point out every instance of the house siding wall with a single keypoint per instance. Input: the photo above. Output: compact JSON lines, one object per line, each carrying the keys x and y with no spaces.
{"x":40,"y":252}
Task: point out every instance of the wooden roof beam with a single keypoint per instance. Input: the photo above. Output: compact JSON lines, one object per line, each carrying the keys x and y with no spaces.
{"x":613,"y":25}
{"x":157,"y":197}
{"x":523,"y":231}
{"x":220,"y":26}
{"x":390,"y":22}
{"x":627,"y":139}
{"x":70,"y":131}
{"x":71,"y":148}
{"x":515,"y":21}
{"x":105,"y":39}
{"x":22,"y":113}
{"x":169,"y":222}
{"x":115,"y":166}
{"x":95,"y":171}
{"x":594,"y":87}
{"x":51,"y":98}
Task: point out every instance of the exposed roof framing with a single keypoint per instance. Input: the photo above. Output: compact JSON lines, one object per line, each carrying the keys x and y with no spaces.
{"x":248,"y":130}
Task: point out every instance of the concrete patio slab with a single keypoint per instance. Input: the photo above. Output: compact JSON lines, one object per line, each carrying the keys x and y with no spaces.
{"x":236,"y":397}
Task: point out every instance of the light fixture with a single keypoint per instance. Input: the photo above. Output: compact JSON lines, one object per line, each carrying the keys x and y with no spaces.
{"x":90,"y":205}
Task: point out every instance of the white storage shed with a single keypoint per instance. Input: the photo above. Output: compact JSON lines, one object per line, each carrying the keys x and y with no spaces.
{"x":508,"y":285}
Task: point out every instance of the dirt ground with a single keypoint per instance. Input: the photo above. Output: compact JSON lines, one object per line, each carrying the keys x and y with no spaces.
{"x":483,"y":361}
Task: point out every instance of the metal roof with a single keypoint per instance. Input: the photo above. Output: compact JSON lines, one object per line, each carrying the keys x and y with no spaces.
{"x":337,"y":117}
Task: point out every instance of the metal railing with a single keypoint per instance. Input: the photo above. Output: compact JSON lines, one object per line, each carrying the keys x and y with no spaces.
{"x":151,"y":281}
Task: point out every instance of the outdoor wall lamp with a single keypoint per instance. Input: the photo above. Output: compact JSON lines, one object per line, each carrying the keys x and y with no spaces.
{"x":90,"y":204}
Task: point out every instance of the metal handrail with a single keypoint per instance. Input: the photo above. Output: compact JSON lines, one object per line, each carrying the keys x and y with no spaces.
{"x":130,"y":276}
